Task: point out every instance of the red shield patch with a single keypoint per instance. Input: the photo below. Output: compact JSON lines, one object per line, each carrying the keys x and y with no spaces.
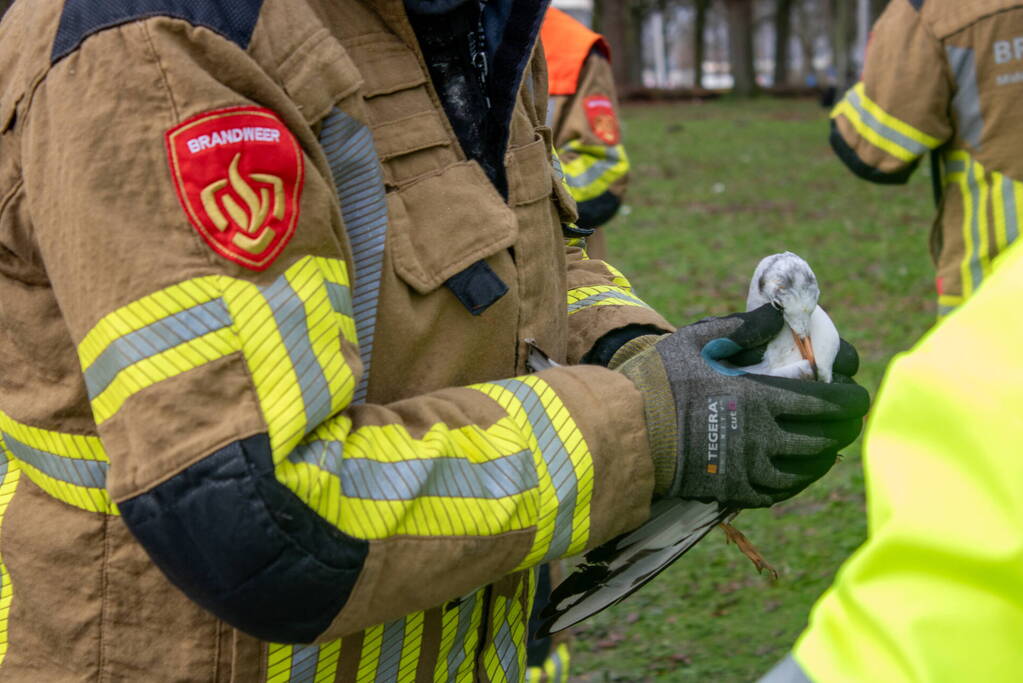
{"x":601,"y":115}
{"x":238,"y":173}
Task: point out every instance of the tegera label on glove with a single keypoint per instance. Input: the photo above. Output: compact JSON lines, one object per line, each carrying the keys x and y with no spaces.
{"x":722,"y":427}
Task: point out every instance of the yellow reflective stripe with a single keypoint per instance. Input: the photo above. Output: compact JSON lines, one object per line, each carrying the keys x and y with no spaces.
{"x":498,"y":671}
{"x":426,"y":516}
{"x":556,"y":666}
{"x":170,"y":363}
{"x":594,"y":170}
{"x":314,"y":471}
{"x":327,"y":666}
{"x":9,"y":474}
{"x":563,"y":462}
{"x":64,"y":455}
{"x":373,"y":638}
{"x":583,"y":298}
{"x":887,"y":119}
{"x":618,"y":278}
{"x":846,"y":109}
{"x":534,"y":674}
{"x":278,"y":663}
{"x":336,"y":272}
{"x":144,"y":312}
{"x":459,"y":635}
{"x":412,"y":647}
{"x":276,"y":382}
{"x":998,"y":210}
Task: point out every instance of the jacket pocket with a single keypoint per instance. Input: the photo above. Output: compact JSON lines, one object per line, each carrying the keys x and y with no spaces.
{"x":443,"y":223}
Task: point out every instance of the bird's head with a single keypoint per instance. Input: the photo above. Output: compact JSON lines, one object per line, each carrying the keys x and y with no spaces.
{"x":786,"y":282}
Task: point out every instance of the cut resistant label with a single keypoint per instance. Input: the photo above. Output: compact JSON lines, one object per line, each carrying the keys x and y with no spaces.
{"x":722,"y":429}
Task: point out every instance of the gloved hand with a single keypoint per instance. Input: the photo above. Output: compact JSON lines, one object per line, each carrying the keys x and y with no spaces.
{"x":744,"y":440}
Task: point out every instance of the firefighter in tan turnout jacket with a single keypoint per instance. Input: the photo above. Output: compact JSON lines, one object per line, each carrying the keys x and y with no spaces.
{"x":267,"y":273}
{"x":945,"y":77}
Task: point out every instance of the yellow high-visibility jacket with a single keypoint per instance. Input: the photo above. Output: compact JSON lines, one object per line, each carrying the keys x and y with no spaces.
{"x":936,"y":592}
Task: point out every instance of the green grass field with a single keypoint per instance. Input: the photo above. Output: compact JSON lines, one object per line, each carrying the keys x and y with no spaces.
{"x":715,"y":187}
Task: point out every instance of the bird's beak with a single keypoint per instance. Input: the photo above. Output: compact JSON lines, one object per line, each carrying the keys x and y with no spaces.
{"x":805,"y":347}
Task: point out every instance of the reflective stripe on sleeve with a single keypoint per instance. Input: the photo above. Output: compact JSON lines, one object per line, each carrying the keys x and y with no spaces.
{"x":70,"y":467}
{"x":9,"y":474}
{"x":594,"y":169}
{"x":582,"y":298}
{"x":884,"y":131}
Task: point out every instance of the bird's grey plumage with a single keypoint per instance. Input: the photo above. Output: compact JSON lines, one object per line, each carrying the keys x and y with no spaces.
{"x":615,"y":570}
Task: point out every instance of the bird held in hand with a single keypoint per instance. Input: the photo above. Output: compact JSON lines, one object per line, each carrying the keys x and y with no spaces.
{"x":805,"y":348}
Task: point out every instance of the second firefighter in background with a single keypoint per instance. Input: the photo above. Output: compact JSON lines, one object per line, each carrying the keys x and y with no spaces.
{"x":582,"y":112}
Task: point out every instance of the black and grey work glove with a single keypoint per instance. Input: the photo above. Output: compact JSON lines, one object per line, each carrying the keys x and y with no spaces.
{"x":744,"y":440}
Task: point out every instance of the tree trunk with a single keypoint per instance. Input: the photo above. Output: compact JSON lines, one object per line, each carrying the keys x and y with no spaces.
{"x":842,"y":43}
{"x":740,"y":46}
{"x":699,"y":40}
{"x":636,"y":14}
{"x":614,"y":25}
{"x":782,"y":37}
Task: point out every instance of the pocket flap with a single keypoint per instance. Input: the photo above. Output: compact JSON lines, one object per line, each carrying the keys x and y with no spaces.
{"x":445,"y":222}
{"x":529,"y":172}
{"x":319,"y":74}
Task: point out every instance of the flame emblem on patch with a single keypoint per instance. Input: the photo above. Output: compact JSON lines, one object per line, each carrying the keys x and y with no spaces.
{"x":238,"y":174}
{"x":252,"y":234}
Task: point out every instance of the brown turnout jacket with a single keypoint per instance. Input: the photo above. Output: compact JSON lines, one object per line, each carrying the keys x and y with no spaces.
{"x":945,"y":76}
{"x":249,"y":431}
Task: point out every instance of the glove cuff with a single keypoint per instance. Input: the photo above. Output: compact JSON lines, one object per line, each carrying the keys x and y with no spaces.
{"x":633,"y":347}
{"x":647,"y":372}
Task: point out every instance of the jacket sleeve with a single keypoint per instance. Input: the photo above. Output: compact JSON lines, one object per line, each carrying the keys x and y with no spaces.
{"x":588,"y":139}
{"x":934,"y":592}
{"x":221,"y":384}
{"x":899,"y":111}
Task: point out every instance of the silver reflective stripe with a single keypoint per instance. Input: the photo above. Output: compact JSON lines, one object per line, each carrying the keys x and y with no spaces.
{"x":603,"y":296}
{"x":88,"y":473}
{"x":944,"y":310}
{"x":456,"y":655}
{"x":152,"y":339}
{"x":559,"y":464}
{"x":594,"y":172}
{"x":976,"y":272}
{"x":303,"y":663}
{"x":786,"y":671}
{"x":390,"y":652}
{"x":507,"y":654}
{"x":293,"y":324}
{"x":448,"y":477}
{"x":966,"y":101}
{"x":559,"y":666}
{"x":359,"y":182}
{"x":882,"y":129}
{"x":1011,"y":212}
{"x":550,"y":112}
{"x":340,"y":298}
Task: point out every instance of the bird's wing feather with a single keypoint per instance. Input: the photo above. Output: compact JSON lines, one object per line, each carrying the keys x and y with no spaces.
{"x":825,"y":342}
{"x":615,"y":570}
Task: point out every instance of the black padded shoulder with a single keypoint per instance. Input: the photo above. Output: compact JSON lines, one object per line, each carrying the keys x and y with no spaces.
{"x":233,"y":19}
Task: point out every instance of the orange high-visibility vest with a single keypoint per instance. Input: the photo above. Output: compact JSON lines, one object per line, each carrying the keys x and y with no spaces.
{"x":567,"y":43}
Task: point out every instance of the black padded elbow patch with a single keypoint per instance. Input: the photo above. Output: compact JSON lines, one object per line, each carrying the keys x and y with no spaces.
{"x":246,"y":548}
{"x":849,"y":157}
